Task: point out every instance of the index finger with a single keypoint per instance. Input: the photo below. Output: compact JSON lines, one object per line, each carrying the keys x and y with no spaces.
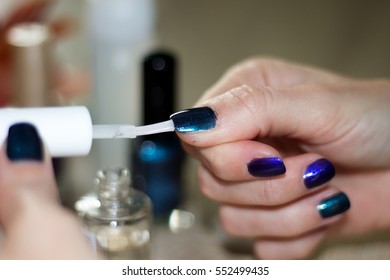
{"x":267,"y":103}
{"x":266,"y":72}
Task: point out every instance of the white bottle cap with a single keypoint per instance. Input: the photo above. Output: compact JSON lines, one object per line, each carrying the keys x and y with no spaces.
{"x":66,"y":131}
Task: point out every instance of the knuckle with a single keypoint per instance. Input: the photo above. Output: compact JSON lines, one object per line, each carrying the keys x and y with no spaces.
{"x":228,"y":223}
{"x":269,"y":194}
{"x":291,"y":229}
{"x":262,"y":251}
{"x":246,"y":99}
{"x":215,"y":162}
{"x":253,"y":100}
{"x":205,"y":184}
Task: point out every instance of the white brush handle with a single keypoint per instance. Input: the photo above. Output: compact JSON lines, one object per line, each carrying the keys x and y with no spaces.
{"x":68,"y":131}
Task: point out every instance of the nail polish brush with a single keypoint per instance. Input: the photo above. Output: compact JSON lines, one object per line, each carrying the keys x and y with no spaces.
{"x":130,"y":131}
{"x":68,"y":131}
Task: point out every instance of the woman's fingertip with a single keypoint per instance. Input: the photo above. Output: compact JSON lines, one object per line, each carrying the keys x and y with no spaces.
{"x":318,"y":173}
{"x":266,"y":167}
{"x":334,"y":205}
{"x":194,"y":120}
{"x":24,"y":143}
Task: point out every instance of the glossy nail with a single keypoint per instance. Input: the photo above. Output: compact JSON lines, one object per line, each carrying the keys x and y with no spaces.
{"x":266,"y":167}
{"x":333,"y":205}
{"x":318,"y":173}
{"x":194,"y":119}
{"x":24,"y":143}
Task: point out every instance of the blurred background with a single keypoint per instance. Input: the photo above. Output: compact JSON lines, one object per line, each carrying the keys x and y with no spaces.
{"x":207,"y":36}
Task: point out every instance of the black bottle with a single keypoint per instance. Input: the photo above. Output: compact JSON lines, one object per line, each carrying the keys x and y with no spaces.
{"x":158,"y":159}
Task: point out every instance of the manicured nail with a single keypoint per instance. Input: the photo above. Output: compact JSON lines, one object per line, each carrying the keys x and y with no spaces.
{"x":194,"y":119}
{"x":334,"y":205}
{"x":24,"y":143}
{"x":266,"y":167}
{"x":318,"y":173}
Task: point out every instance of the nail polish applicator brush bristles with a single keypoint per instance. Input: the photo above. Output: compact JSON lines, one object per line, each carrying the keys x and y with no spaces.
{"x":130,"y":131}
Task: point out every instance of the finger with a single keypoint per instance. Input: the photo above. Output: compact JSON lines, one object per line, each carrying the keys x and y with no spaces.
{"x":24,"y":167}
{"x":299,"y":217}
{"x":305,"y":112}
{"x":304,"y":173}
{"x":63,"y":27}
{"x":367,"y":215}
{"x":261,"y":98}
{"x":265,"y":71}
{"x":71,"y":83}
{"x":232,"y":161}
{"x":288,"y":248}
{"x":28,"y":196}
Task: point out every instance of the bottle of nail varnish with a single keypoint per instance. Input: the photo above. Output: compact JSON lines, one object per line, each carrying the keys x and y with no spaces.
{"x":157,"y":160}
{"x":118,"y":222}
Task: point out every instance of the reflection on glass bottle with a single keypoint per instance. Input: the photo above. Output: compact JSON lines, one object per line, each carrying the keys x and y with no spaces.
{"x":119,"y":220}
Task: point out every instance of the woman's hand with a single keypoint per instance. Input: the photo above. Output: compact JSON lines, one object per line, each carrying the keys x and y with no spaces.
{"x":35,"y":224}
{"x":270,"y":136}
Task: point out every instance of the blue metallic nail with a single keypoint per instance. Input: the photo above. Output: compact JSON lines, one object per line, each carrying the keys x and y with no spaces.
{"x":24,"y":143}
{"x":266,"y":167}
{"x":318,"y":173}
{"x":334,"y":205}
{"x":194,"y":119}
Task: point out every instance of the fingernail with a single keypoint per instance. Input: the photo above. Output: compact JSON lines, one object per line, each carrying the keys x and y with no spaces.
{"x":24,"y":143}
{"x":266,"y":167}
{"x":334,"y":205}
{"x":318,"y":173}
{"x":194,"y":119}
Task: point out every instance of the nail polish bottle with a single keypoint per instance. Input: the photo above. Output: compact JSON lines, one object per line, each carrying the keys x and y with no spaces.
{"x":31,"y":49}
{"x":118,"y":218}
{"x":157,"y":160}
{"x":32,"y":62}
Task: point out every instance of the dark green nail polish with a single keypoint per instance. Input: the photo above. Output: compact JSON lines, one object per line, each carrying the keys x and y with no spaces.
{"x":194,"y":120}
{"x":24,"y":143}
{"x":334,"y":205}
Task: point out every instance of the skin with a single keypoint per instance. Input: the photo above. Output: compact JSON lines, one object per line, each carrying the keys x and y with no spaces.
{"x":34,"y":224}
{"x":267,"y":107}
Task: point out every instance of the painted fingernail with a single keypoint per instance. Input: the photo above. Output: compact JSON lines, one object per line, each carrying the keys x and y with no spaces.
{"x":333,"y":205}
{"x":194,"y":119}
{"x":318,"y":173}
{"x":266,"y":167}
{"x":24,"y":143}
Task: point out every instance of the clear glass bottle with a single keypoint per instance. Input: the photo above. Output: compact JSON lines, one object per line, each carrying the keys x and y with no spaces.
{"x":119,"y":221}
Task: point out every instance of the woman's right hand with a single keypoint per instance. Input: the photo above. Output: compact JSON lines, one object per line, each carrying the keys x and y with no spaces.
{"x":270,"y":135}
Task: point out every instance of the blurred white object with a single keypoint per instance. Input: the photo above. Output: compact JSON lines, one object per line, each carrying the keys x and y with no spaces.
{"x":120,"y":32}
{"x":67,"y":131}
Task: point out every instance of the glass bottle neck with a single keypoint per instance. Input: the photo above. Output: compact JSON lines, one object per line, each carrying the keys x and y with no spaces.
{"x":114,"y":191}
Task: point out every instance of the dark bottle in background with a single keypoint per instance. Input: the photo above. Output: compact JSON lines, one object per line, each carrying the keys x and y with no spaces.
{"x":157,"y":160}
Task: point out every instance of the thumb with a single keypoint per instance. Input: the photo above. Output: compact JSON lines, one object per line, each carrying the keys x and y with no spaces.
{"x":25,"y":167}
{"x":248,"y":112}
